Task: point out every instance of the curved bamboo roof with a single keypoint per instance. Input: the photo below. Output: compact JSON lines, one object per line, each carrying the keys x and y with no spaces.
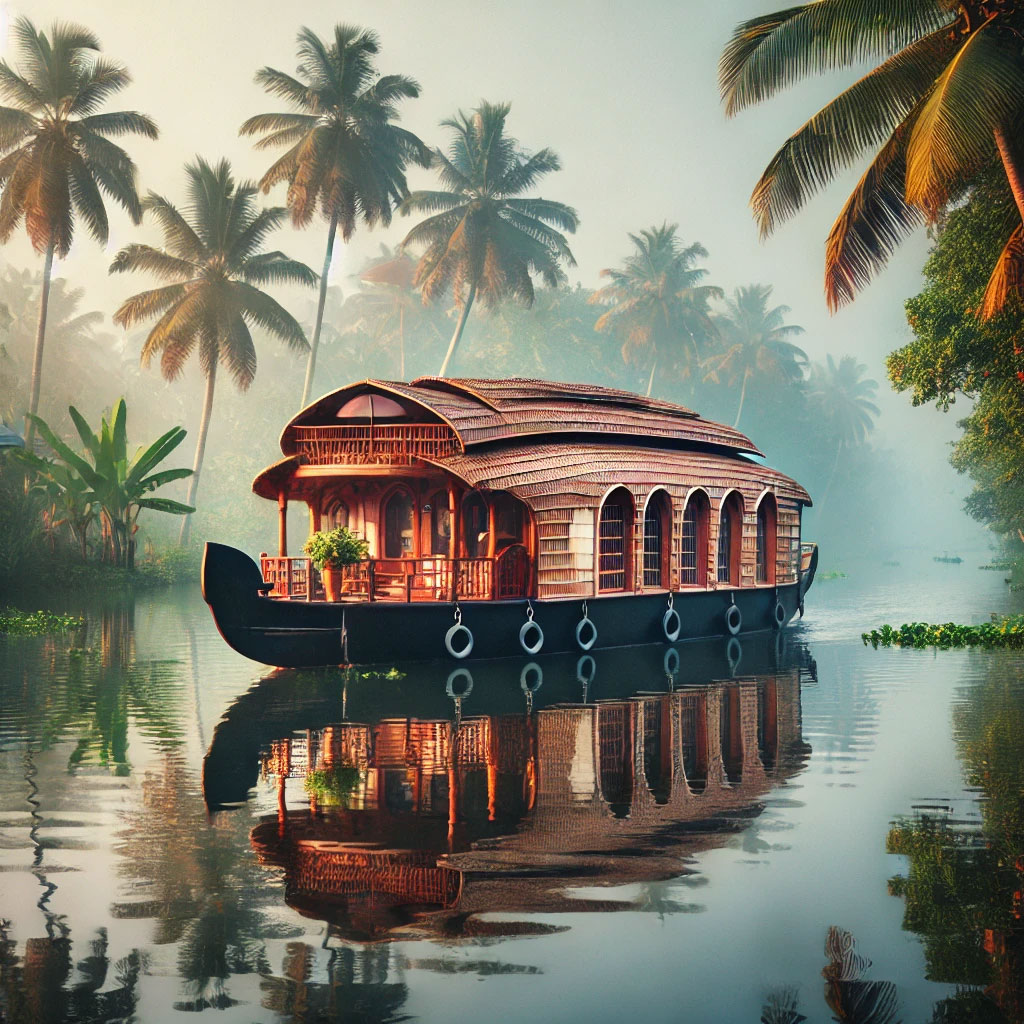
{"x":543,"y":475}
{"x":493,"y":411}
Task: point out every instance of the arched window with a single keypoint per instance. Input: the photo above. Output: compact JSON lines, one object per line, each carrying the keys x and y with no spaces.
{"x":693,"y":550}
{"x":335,"y":514}
{"x":509,"y":519}
{"x":399,"y":525}
{"x":475,"y":525}
{"x":657,"y":539}
{"x":730,"y":528}
{"x":440,"y":524}
{"x":767,"y":539}
{"x":615,"y":541}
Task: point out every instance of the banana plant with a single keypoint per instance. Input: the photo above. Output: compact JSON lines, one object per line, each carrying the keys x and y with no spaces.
{"x":119,"y":485}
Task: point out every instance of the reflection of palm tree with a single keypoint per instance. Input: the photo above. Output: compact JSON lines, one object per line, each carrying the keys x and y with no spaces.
{"x":658,"y":307}
{"x":851,"y":999}
{"x":483,"y":237}
{"x":754,"y":338}
{"x":841,"y":398}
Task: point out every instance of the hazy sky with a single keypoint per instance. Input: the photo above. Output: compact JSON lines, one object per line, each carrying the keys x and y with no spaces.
{"x":625,"y":93}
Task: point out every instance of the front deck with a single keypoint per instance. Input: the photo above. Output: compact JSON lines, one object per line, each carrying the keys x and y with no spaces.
{"x":506,"y":576}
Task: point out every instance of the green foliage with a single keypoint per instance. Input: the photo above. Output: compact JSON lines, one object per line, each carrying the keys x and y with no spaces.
{"x":106,"y":477}
{"x":332,"y":786}
{"x":336,"y":548}
{"x":949,"y":85}
{"x":18,"y":623}
{"x":1007,"y":632}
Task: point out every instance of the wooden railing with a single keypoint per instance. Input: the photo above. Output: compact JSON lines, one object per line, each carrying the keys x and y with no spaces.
{"x":290,"y":577}
{"x":407,"y":579}
{"x":358,"y":446}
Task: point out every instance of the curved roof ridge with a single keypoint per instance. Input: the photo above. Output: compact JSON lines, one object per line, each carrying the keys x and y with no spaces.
{"x":497,"y":391}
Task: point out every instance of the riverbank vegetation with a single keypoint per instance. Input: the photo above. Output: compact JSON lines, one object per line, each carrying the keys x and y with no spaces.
{"x":939,"y":121}
{"x":478,"y":288}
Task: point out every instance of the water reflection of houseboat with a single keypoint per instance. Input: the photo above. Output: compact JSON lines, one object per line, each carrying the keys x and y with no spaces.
{"x":447,"y":819}
{"x":513,"y":502}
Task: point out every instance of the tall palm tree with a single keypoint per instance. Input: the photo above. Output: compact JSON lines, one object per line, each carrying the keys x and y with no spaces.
{"x":842,"y":399}
{"x":946,"y":101}
{"x":483,"y":237}
{"x":658,"y":307}
{"x":56,"y":156}
{"x":213,"y":262}
{"x":387,"y":308}
{"x":345,"y":153}
{"x":755,"y":343}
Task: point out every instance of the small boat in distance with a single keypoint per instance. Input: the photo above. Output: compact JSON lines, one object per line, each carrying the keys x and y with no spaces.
{"x":948,"y":559}
{"x":513,"y":516}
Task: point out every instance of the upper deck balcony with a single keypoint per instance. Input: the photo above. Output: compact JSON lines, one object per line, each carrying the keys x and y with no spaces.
{"x":391,"y":444}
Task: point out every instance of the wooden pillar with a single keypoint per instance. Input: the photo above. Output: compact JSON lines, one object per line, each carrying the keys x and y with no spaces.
{"x":282,"y":523}
{"x":492,"y":529}
{"x":314,"y":516}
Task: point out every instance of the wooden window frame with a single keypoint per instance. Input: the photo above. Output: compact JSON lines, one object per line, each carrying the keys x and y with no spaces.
{"x":731,"y":511}
{"x":659,"y":502}
{"x":620,"y":498}
{"x":767,"y":545}
{"x":701,"y":505}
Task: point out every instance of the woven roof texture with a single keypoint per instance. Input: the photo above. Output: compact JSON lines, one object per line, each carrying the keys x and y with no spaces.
{"x":547,"y":475}
{"x":487,"y":411}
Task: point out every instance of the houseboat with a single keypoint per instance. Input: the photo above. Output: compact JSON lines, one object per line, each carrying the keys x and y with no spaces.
{"x":512,"y":517}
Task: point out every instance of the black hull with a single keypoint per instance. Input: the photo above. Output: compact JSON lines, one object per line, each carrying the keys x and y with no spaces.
{"x":299,"y":634}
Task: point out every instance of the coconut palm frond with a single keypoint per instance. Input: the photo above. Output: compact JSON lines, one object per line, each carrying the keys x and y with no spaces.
{"x":979,"y":90}
{"x":1006,"y":284}
{"x":771,"y":52}
{"x":862,"y":117}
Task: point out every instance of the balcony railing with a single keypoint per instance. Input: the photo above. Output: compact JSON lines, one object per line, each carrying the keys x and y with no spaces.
{"x":360,"y":446}
{"x":406,"y":579}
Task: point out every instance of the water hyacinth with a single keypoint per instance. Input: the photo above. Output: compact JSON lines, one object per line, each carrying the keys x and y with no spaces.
{"x":1002,"y":632}
{"x":18,"y":623}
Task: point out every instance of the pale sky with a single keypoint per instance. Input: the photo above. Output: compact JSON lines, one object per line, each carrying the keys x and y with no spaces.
{"x":625,"y":93}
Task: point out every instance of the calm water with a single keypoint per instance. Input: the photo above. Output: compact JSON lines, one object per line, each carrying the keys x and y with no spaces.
{"x":629,"y":838}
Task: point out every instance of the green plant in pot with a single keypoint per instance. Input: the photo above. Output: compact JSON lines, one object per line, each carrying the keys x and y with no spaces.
{"x":330,"y":551}
{"x":332,"y":786}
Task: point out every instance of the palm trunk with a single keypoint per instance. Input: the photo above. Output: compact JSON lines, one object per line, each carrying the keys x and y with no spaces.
{"x":1012,"y":168}
{"x":743,"y":394}
{"x":458,"y":329}
{"x":650,"y":380}
{"x":37,"y":357}
{"x":401,"y":343}
{"x":197,"y":465}
{"x":321,"y":302}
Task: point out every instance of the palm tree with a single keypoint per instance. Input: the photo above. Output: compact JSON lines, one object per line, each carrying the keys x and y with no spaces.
{"x":755,"y":342}
{"x":658,"y":307}
{"x":945,"y":102}
{"x":214,"y":263}
{"x":55,"y":153}
{"x":483,"y":237}
{"x":345,"y":153}
{"x":387,"y":308}
{"x":842,"y":400}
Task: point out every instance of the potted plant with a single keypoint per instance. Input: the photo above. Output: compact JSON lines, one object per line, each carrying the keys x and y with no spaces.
{"x":330,"y":551}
